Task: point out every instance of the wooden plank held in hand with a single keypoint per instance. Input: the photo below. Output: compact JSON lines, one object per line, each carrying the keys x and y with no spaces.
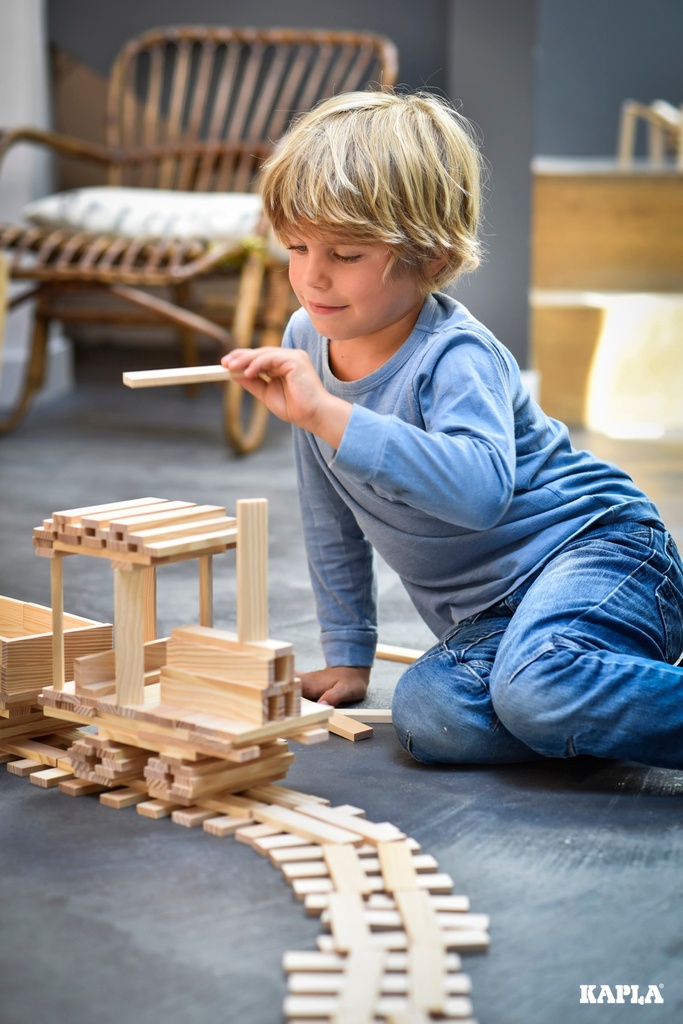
{"x":182,"y":375}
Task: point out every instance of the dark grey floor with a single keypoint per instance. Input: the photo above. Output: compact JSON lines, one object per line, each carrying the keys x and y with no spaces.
{"x":110,"y":917}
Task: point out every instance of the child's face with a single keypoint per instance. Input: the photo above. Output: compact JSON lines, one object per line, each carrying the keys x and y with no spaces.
{"x":342,"y":287}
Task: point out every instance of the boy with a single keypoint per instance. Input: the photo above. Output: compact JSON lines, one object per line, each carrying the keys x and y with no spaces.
{"x":553,"y":587}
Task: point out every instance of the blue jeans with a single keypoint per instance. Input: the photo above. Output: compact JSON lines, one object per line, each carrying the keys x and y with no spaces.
{"x":579,"y":660}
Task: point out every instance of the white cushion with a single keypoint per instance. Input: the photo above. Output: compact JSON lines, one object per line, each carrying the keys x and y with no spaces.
{"x":150,"y":213}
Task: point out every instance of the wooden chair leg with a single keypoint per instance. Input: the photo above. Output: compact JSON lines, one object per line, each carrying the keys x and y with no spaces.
{"x":35,"y":371}
{"x":246,"y":419}
{"x":189,"y":350}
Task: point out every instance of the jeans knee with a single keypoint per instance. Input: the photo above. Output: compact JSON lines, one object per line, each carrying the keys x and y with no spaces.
{"x":446,"y":717}
{"x":532,"y":701}
{"x":412,"y":717}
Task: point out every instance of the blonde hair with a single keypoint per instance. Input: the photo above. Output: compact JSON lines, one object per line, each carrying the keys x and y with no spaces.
{"x":382,"y":167}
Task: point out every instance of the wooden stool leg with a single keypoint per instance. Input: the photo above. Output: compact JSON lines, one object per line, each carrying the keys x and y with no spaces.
{"x":206,"y":590}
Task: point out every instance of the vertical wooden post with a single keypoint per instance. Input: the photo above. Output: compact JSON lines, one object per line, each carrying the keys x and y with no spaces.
{"x":129,"y":640}
{"x":206,"y":590}
{"x":149,"y":586}
{"x":252,"y":569}
{"x":57,"y":601}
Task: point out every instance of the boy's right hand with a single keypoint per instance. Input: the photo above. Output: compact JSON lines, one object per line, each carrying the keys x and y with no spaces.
{"x":334,"y":685}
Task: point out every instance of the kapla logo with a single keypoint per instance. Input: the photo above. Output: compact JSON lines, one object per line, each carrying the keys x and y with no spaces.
{"x":620,"y":994}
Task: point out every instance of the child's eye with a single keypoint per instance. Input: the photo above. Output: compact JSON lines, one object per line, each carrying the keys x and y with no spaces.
{"x":346,"y":259}
{"x":297,"y":248}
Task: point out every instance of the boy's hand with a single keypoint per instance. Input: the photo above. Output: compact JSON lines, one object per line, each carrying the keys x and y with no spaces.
{"x":342,"y":684}
{"x":293,"y":390}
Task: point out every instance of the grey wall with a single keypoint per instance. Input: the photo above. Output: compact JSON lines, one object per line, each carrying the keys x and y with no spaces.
{"x":492,"y":73}
{"x":592,"y":54}
{"x":94,"y":32}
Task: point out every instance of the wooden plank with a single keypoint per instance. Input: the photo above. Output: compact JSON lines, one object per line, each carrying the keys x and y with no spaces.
{"x":169,"y":376}
{"x":57,"y":599}
{"x":191,"y":817}
{"x":406,"y":655}
{"x":347,"y":921}
{"x":419,"y":917}
{"x":223,"y":825}
{"x":306,"y":826}
{"x":36,"y":751}
{"x":361,"y":985}
{"x":24,"y":766}
{"x":369,"y":716}
{"x":156,"y":808}
{"x":327,"y":963}
{"x":120,"y":798}
{"x":398,"y":868}
{"x":129,"y":616}
{"x":79,"y":787}
{"x":346,"y":870}
{"x":348,"y":728}
{"x":337,"y":816}
{"x":50,"y":777}
{"x":252,"y":569}
{"x":73,"y":515}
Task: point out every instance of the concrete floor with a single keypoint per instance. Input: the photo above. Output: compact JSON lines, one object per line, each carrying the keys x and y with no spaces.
{"x":108,"y":916}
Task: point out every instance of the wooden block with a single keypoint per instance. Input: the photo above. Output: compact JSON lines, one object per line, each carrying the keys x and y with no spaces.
{"x":191,"y":817}
{"x":311,"y":736}
{"x":50,"y":777}
{"x":406,"y":655}
{"x":398,"y":869}
{"x":361,"y":986}
{"x":171,"y":376}
{"x":284,"y":796}
{"x":79,"y":787}
{"x":223,"y":825}
{"x":278,"y":841}
{"x":419,"y":917}
{"x":341,"y":818}
{"x":369,"y":716}
{"x":129,"y":602}
{"x":346,"y":870}
{"x":315,"y":960}
{"x":24,"y":766}
{"x":347,"y":921}
{"x":37,"y":751}
{"x":299,"y":1009}
{"x":73,"y":515}
{"x":156,"y":808}
{"x":320,"y":982}
{"x":305,"y":825}
{"x":348,"y":728}
{"x":120,"y":798}
{"x":252,"y":569}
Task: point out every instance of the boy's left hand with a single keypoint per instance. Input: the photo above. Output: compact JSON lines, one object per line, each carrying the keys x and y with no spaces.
{"x":334,"y":685}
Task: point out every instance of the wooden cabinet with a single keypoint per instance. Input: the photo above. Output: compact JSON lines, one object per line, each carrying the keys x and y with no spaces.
{"x":599,"y":232}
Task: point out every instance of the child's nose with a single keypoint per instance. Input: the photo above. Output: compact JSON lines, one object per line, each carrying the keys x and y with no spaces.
{"x":316,"y":274}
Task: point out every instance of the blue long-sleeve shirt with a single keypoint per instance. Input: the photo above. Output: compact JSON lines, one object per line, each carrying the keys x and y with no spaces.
{"x":450,"y":471}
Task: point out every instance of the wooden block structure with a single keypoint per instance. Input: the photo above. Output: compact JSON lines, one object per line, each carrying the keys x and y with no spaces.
{"x":205,"y":745}
{"x":198,"y":715}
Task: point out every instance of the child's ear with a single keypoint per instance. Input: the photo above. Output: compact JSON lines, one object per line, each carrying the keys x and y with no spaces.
{"x":435,"y":265}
